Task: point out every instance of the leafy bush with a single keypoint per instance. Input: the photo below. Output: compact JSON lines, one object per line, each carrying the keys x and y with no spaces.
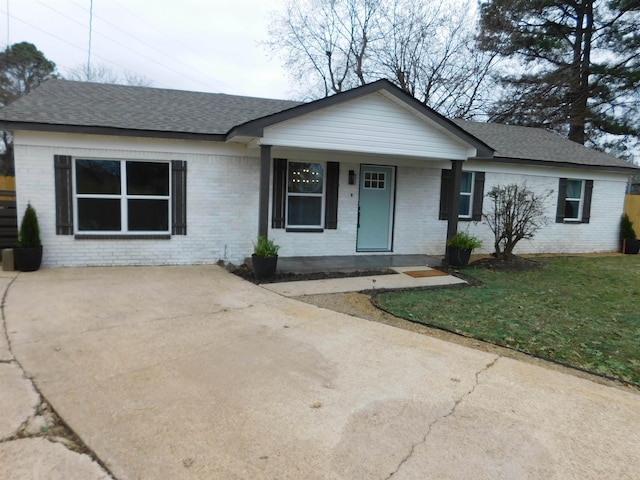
{"x":265,"y":248}
{"x":464,"y":241}
{"x":29,"y":234}
{"x":626,"y":229}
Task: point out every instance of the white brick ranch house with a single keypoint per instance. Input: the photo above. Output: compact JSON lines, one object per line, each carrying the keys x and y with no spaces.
{"x":125,"y":175}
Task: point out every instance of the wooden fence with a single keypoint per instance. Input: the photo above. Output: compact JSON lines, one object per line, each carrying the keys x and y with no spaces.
{"x":8,"y":219}
{"x":632,"y":208}
{"x":8,"y":188}
{"x":8,"y":213}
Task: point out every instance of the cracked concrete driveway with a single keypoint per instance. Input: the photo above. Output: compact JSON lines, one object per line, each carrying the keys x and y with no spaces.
{"x":189,"y":372}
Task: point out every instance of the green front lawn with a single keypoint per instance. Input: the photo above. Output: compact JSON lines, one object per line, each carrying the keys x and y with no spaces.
{"x":583,"y":312}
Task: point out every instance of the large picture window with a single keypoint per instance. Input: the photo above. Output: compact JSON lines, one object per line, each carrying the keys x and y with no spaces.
{"x":121,"y":196}
{"x":305,"y":194}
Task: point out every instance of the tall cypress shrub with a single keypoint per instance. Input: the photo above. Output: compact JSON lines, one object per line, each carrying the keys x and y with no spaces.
{"x":29,"y":234}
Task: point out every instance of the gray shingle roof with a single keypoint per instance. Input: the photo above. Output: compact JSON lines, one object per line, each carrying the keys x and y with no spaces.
{"x":64,"y":102}
{"x":67,"y":103}
{"x":526,"y":143}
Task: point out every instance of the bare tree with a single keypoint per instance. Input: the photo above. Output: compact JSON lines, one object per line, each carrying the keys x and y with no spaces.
{"x":329,"y":46}
{"x":317,"y":41}
{"x":100,"y":73}
{"x":515,"y":213}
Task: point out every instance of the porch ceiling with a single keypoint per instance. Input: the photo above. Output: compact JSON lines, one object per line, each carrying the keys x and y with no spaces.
{"x":320,"y":155}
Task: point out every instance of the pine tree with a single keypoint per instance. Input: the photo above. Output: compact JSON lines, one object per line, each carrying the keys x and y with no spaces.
{"x":22,"y":68}
{"x":574,"y":66}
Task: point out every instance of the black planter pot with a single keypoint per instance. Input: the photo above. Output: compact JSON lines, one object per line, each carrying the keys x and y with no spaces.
{"x":263,"y":267}
{"x":458,"y":257}
{"x":631,"y":247}
{"x":27,"y":259}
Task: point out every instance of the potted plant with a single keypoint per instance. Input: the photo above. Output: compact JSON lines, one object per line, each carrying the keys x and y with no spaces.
{"x":28,"y":253}
{"x":628,"y":238}
{"x":265,"y":258}
{"x":459,"y":248}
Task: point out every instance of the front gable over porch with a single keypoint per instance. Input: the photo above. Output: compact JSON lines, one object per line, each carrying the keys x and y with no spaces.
{"x":377,"y":118}
{"x":372,"y":124}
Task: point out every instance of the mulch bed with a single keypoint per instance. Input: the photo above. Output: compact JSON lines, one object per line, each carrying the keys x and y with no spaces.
{"x":246,"y":273}
{"x":512,"y":263}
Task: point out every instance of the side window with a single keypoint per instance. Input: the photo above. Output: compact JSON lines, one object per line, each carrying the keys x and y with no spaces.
{"x":466,"y":195}
{"x":471,"y":195}
{"x":574,"y":200}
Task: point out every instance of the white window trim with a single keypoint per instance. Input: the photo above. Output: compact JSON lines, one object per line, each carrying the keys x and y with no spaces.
{"x":470,"y":195}
{"x":580,"y":200}
{"x":320,"y":195}
{"x":123,"y":197}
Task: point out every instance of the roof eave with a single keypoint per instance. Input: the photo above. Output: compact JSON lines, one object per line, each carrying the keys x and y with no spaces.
{"x":631,"y":169}
{"x":113,"y":131}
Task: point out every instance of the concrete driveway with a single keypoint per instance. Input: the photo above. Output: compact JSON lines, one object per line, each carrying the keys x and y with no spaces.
{"x":190,"y":372}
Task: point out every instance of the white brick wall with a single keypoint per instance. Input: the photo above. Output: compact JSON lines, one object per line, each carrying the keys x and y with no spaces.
{"x":418,"y":230}
{"x":599,"y":235}
{"x":222,"y":204}
{"x":222,"y":201}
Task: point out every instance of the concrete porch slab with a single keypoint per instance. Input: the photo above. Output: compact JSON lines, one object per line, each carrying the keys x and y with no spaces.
{"x":353,"y":262}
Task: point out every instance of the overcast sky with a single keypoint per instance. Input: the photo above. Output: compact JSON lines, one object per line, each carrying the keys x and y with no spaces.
{"x":203,"y":45}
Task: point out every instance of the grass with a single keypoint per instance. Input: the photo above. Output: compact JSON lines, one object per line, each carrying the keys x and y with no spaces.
{"x":580,"y":311}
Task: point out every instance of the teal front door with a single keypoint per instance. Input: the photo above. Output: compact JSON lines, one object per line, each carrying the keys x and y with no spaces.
{"x":375,"y":209}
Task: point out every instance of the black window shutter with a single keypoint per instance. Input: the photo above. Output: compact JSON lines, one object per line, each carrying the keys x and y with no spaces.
{"x":64,"y":194}
{"x":178,"y":197}
{"x":586,"y":207}
{"x":279,"y":192}
{"x":562,"y":196}
{"x":478,"y":195}
{"x":446,"y":182}
{"x":331,"y":199}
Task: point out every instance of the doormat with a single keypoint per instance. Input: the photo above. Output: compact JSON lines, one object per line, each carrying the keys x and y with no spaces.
{"x":426,"y":273}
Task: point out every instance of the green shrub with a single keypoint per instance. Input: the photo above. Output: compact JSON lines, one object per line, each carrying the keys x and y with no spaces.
{"x":265,"y":248}
{"x":29,"y":234}
{"x":626,"y":229}
{"x":464,"y":241}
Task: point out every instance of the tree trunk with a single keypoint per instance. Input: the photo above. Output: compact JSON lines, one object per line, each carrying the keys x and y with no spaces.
{"x":579,"y":82}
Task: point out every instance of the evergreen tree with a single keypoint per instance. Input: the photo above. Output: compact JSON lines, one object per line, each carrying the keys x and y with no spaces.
{"x":574,"y":67}
{"x":22,"y":68}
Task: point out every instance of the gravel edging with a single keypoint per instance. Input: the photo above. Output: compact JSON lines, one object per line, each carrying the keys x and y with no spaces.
{"x":360,"y":304}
